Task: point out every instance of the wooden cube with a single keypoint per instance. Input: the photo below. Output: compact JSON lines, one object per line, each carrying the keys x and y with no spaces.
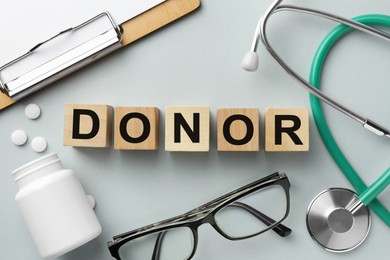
{"x":187,"y":129}
{"x":136,"y":128}
{"x":87,"y":125}
{"x":286,"y":129}
{"x":238,"y":129}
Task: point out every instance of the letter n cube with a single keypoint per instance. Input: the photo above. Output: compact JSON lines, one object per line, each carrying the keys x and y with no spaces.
{"x":187,"y":129}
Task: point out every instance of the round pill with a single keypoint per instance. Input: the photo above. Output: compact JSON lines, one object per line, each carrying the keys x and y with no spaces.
{"x":19,"y":137}
{"x":39,"y":144}
{"x":32,"y":111}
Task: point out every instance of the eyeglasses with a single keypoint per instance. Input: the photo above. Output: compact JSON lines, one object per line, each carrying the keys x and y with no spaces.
{"x":243,"y":213}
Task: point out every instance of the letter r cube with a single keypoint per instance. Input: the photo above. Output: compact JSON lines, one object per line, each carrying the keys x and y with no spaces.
{"x":286,"y":129}
{"x":87,"y":125}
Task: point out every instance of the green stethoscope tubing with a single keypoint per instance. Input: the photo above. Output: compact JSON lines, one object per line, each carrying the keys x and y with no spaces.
{"x":319,"y":118}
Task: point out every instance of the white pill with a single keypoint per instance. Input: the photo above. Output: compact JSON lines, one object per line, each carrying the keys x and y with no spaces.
{"x":39,"y":144}
{"x":19,"y":137}
{"x":32,"y":111}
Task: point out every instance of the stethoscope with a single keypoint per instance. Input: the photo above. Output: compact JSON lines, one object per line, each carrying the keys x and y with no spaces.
{"x":337,"y":218}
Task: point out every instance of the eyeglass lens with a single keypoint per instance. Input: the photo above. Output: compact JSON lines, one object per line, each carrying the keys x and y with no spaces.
{"x":254,"y":213}
{"x":169,"y":244}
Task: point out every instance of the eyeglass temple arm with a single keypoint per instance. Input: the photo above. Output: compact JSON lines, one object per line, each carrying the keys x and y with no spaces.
{"x":161,"y":223}
{"x":157,"y":246}
{"x":280,"y":229}
{"x":214,"y":203}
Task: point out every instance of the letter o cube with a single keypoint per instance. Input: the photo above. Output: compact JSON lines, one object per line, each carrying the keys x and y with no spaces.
{"x":238,"y":129}
{"x":136,"y":128}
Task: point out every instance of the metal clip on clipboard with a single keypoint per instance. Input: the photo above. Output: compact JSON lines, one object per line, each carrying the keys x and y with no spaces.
{"x":65,"y":63}
{"x":16,"y":84}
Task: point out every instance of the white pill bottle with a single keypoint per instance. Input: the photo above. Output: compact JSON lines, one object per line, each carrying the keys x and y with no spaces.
{"x":55,"y":207}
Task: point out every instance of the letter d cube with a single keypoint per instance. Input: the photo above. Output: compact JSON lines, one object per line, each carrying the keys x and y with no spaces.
{"x":87,"y":125}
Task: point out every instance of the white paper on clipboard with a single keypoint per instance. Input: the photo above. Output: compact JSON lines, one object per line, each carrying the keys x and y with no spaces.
{"x":26,"y":23}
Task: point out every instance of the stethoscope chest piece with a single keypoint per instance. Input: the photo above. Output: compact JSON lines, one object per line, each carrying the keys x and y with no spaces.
{"x":333,"y":225}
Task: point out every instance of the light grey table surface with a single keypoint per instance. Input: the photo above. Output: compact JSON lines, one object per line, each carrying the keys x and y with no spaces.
{"x":196,"y":61}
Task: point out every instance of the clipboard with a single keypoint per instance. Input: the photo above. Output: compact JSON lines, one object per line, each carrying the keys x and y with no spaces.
{"x":116,"y":38}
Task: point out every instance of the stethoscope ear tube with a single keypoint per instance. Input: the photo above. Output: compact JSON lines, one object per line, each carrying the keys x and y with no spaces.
{"x":329,"y":141}
{"x":260,"y":33}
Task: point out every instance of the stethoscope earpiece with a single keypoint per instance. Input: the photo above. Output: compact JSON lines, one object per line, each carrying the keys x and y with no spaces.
{"x":250,"y":62}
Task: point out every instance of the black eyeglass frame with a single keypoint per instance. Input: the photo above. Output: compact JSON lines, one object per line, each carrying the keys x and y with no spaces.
{"x":206,"y":214}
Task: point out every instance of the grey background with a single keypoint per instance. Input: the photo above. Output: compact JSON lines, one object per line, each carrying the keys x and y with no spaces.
{"x":196,"y":62}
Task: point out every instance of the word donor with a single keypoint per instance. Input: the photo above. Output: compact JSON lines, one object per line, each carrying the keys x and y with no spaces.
{"x":187,"y":129}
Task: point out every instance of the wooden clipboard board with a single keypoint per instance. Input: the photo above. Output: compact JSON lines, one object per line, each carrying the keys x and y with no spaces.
{"x":141,"y":26}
